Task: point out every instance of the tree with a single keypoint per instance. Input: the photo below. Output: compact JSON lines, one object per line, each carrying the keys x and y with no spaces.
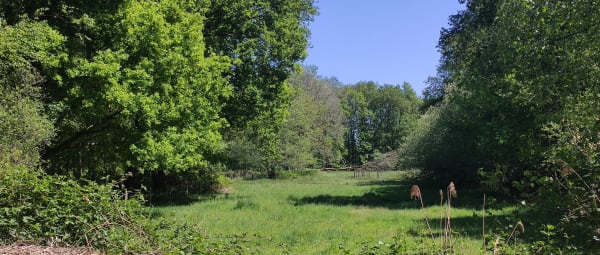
{"x":396,"y":110}
{"x":435,"y":90}
{"x":358,"y":129}
{"x":26,"y":50}
{"x":378,"y":118}
{"x":136,"y":93}
{"x":265,"y":40}
{"x":152,"y":86}
{"x":520,"y":96}
{"x":312,"y":135}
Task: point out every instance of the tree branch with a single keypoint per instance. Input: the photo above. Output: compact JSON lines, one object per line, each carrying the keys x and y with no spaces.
{"x":91,"y":129}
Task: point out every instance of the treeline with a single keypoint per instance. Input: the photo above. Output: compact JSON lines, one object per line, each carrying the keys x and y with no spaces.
{"x":168,"y":95}
{"x":515,"y":108}
{"x":139,"y":95}
{"x":153,"y":90}
{"x":333,"y":125}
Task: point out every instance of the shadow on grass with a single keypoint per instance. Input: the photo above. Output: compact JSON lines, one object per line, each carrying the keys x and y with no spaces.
{"x":395,"y":194}
{"x":463,"y":226}
{"x":387,"y":194}
{"x":183,"y":199}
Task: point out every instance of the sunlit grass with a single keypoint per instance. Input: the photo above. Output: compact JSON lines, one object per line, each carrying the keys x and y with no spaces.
{"x":319,"y":214}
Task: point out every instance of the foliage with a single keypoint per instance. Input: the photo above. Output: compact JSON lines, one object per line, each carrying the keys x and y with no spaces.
{"x":145,"y":87}
{"x":25,"y":127}
{"x":441,"y":145}
{"x":147,"y":102}
{"x":518,"y":109}
{"x":311,"y":135}
{"x":242,"y":153}
{"x":53,"y":210}
{"x":265,"y":40}
{"x":378,"y":118}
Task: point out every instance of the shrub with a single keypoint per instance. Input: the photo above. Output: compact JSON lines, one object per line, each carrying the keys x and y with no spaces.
{"x":52,"y":210}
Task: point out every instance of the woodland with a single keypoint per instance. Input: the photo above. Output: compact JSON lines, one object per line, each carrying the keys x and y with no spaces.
{"x":106,"y":106}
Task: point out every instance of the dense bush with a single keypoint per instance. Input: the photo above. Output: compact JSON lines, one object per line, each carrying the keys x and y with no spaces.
{"x":25,"y":128}
{"x":51,"y":210}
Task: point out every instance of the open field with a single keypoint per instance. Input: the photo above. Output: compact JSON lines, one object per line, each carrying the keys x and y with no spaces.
{"x":331,"y":213}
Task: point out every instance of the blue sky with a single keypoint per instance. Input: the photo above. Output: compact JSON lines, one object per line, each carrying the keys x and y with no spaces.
{"x":386,"y":41}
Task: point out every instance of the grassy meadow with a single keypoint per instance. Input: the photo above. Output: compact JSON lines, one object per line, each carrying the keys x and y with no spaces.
{"x":332,"y":213}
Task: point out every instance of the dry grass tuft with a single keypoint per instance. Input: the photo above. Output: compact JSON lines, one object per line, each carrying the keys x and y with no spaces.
{"x":520,"y":225}
{"x":452,"y":189}
{"x":415,"y":192}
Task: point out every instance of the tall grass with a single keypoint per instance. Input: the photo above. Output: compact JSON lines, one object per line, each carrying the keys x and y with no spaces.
{"x":325,"y":213}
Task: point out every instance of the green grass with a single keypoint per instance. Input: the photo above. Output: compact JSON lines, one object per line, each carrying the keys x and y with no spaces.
{"x":318,"y":214}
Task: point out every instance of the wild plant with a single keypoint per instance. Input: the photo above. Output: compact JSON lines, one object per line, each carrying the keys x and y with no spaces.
{"x":415,"y":192}
{"x":446,"y":237}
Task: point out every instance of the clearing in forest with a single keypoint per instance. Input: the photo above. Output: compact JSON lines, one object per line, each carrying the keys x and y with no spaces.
{"x":332,"y":213}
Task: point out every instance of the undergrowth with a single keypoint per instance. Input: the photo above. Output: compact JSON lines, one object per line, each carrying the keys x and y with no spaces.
{"x":55,"y":211}
{"x":505,"y":237}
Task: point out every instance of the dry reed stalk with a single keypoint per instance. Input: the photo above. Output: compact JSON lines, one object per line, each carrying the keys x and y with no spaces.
{"x":483,"y":225}
{"x":441,"y":213}
{"x":515,"y":233}
{"x":415,"y":192}
{"x":496,"y":243}
{"x":448,"y":230}
{"x":520,"y":224}
{"x":452,"y":189}
{"x":446,"y":226}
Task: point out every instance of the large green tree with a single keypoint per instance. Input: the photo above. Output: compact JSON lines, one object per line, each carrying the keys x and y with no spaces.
{"x":150,"y":101}
{"x":265,"y":40}
{"x":137,"y":91}
{"x":151,"y":86}
{"x":520,"y":92}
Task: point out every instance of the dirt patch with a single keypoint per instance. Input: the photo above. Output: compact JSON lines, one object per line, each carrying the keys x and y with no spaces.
{"x":44,"y":250}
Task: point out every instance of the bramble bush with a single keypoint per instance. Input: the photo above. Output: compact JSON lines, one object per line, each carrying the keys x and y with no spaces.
{"x":55,"y":211}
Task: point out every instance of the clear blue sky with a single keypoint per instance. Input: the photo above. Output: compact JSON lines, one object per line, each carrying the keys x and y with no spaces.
{"x":386,"y":41}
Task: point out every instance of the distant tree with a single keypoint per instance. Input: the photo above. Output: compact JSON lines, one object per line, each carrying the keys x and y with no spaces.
{"x":378,"y":118}
{"x":358,"y":127}
{"x":312,"y":135}
{"x":396,"y":110}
